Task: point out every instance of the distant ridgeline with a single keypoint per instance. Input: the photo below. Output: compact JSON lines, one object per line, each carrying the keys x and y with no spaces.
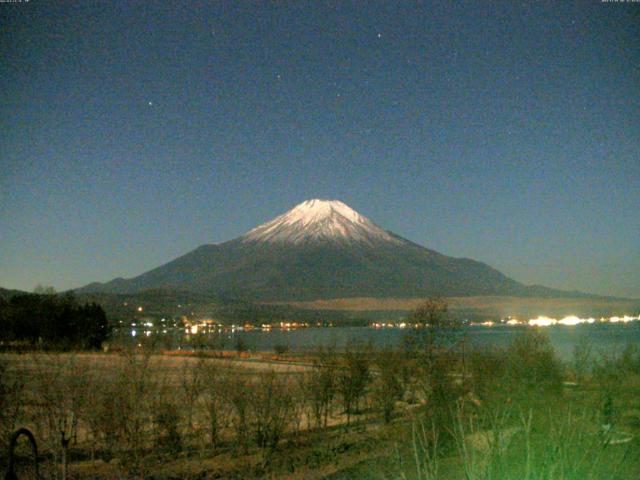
{"x":52,"y":321}
{"x":157,"y":304}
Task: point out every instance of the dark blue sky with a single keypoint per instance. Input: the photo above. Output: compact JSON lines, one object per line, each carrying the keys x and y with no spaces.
{"x":508,"y":132}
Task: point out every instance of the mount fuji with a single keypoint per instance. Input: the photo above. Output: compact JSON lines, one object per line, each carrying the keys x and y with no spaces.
{"x":321,"y":249}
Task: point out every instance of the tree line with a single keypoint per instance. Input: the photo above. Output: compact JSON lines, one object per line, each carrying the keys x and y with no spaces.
{"x":52,"y":321}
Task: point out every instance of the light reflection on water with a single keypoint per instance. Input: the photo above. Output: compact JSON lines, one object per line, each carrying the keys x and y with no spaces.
{"x":609,"y":338}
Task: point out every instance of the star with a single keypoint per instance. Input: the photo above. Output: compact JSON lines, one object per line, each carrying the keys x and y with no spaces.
{"x":151,"y":104}
{"x":379,"y":35}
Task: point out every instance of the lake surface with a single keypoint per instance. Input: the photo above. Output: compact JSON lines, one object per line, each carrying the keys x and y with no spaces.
{"x":607,"y":338}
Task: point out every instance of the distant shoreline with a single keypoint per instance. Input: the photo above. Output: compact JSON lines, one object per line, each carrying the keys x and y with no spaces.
{"x":489,"y":305}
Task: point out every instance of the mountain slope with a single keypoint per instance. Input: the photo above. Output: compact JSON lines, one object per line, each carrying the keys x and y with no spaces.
{"x":322,"y":249}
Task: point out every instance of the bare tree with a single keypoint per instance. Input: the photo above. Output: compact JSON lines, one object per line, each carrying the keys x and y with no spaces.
{"x":271,"y":407}
{"x":217,"y":409}
{"x":237,"y":394}
{"x":388,"y":387}
{"x":321,"y":385}
{"x":100,"y":413}
{"x":191,"y":381}
{"x":61,"y":389}
{"x":432,"y":326}
{"x":353,"y":379}
{"x":166,"y":420}
{"x":129,"y":397}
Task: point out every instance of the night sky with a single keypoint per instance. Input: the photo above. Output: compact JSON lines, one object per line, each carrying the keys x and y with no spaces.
{"x":507,"y":132}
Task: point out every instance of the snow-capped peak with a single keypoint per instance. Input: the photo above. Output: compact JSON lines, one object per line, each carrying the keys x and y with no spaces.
{"x":319,"y":220}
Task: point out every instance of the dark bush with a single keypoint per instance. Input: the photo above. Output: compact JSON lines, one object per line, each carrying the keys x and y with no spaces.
{"x":281,"y":349}
{"x":532,"y":364}
{"x":166,"y":419}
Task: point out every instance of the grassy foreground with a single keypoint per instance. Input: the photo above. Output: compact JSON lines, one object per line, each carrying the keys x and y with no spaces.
{"x":421,"y":412}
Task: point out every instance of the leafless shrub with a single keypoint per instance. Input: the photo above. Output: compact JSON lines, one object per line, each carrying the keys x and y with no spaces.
{"x":388,"y":385}
{"x":60,"y":386}
{"x":487,"y":370}
{"x":166,"y":419}
{"x":271,"y":407}
{"x":532,"y":365}
{"x":125,"y":405}
{"x":582,"y":358}
{"x":440,"y":390}
{"x":238,"y":395}
{"x":526,"y":369}
{"x":141,"y":393}
{"x":321,"y":385}
{"x":296,"y":384}
{"x":217,"y":409}
{"x":192,"y":384}
{"x":354,"y":378}
{"x":105,"y":413}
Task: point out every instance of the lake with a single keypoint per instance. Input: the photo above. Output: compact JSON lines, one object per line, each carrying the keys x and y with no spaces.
{"x":609,"y":338}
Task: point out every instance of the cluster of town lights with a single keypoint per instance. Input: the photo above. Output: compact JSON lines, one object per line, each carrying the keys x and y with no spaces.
{"x":540,"y":321}
{"x":211,"y":326}
{"x":208,"y":326}
{"x":544,"y":321}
